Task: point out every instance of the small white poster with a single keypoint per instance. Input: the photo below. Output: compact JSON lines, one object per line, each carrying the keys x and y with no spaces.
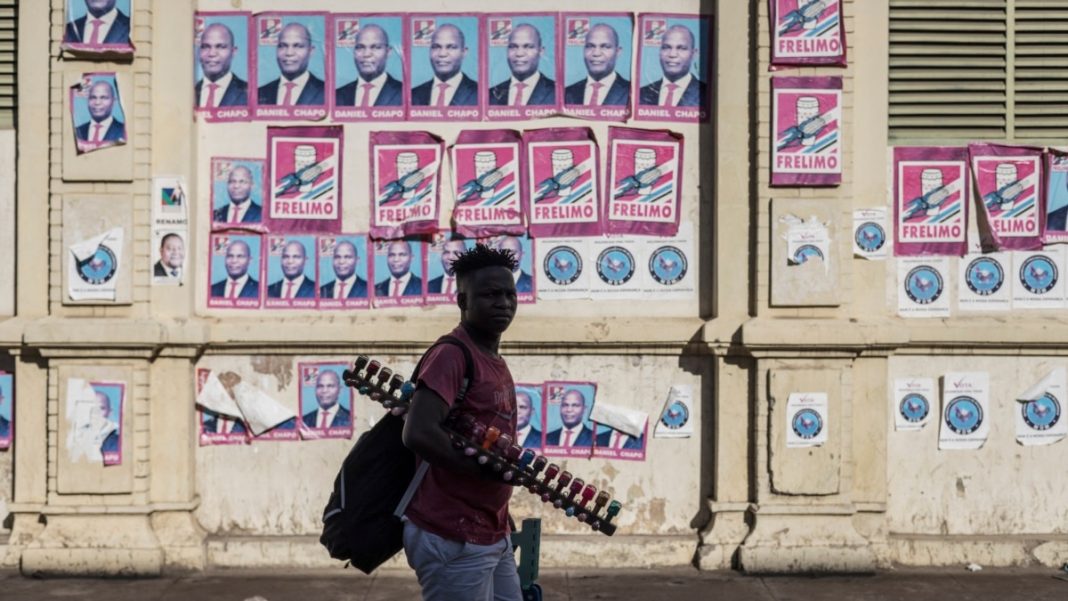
{"x":912,"y":401}
{"x":564,"y":268}
{"x":984,"y":282}
{"x":1039,"y":410}
{"x":168,"y":267}
{"x":1039,"y":279}
{"x":869,"y":234}
{"x":965,"y":410}
{"x":921,"y":289}
{"x":676,"y":420}
{"x":670,"y":269}
{"x":94,"y":264}
{"x":260,"y":410}
{"x":806,"y":419}
{"x":808,"y":243}
{"x":169,"y":203}
{"x":615,"y":267}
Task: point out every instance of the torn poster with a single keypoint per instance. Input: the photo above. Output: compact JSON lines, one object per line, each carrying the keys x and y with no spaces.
{"x":267,"y":418}
{"x":921,"y":288}
{"x":1055,"y":212}
{"x":94,"y":264}
{"x":220,"y":418}
{"x":7,"y":410}
{"x":94,"y":412}
{"x":617,"y":444}
{"x":1039,"y":411}
{"x":808,"y":242}
{"x":1009,"y":182}
{"x":676,"y":418}
{"x":97,"y":113}
{"x":965,"y":411}
{"x":912,"y":402}
{"x":806,"y":419}
{"x":869,"y":234}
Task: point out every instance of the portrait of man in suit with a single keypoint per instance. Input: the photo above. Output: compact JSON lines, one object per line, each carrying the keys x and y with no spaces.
{"x":526,"y":435}
{"x":678,"y":86}
{"x":449,"y":86}
{"x":294,"y":284}
{"x":171,"y":257}
{"x":219,"y":86}
{"x":602,"y":86}
{"x":614,"y":439}
{"x":329,"y":413}
{"x":102,"y":127}
{"x":296,"y":86}
{"x":401,"y":280}
{"x":5,"y":423}
{"x":373,"y":86}
{"x":527,"y":86}
{"x":103,"y":23}
{"x":446,"y":282}
{"x":523,"y":281}
{"x":241,"y":208}
{"x":346,"y":283}
{"x":237,"y":283}
{"x":219,"y":424}
{"x":112,"y":440}
{"x":573,"y":432}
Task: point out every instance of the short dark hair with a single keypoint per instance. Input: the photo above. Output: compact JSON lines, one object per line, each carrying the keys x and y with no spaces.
{"x":480,"y":257}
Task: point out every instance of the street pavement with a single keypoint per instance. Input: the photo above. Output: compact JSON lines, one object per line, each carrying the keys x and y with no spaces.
{"x":675,"y":584}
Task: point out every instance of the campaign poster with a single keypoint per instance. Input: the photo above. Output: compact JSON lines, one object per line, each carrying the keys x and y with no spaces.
{"x":93,"y":265}
{"x":807,"y":32}
{"x":808,"y":243}
{"x":670,"y":266}
{"x":985,"y":282}
{"x":645,"y":182}
{"x":216,"y":428}
{"x":292,"y":66}
{"x":931,"y":195}
{"x":368,"y":55}
{"x":564,"y":267}
{"x":112,"y":399}
{"x":7,"y":410}
{"x":965,"y":411}
{"x":169,"y":202}
{"x":1055,"y":215}
{"x":169,"y":269}
{"x":869,"y":234}
{"x":569,"y":432}
{"x":806,"y":120}
{"x":291,"y":272}
{"x":912,"y":402}
{"x":405,"y":183}
{"x":234,"y":271}
{"x":398,"y":270}
{"x":343,"y":272}
{"x":616,"y":444}
{"x":529,"y":409}
{"x":305,"y":178}
{"x":221,"y":67}
{"x":98,"y":28}
{"x":923,"y":287}
{"x":676,"y":418}
{"x":617,"y":264}
{"x":597,"y":48}
{"x":97,"y":114}
{"x":1040,"y":410}
{"x":522,"y":248}
{"x":237,"y":192}
{"x":1039,"y":279}
{"x":445,"y":68}
{"x":521,"y":66}
{"x":441,"y":280}
{"x":1009,"y":183}
{"x":325,"y":402}
{"x":674,"y":67}
{"x":485,"y":174}
{"x":562,"y":194}
{"x":806,"y":419}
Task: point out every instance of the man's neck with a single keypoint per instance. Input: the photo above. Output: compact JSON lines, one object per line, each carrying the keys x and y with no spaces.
{"x":238,"y":203}
{"x":328,"y":408}
{"x":487,"y":342}
{"x":218,"y":77}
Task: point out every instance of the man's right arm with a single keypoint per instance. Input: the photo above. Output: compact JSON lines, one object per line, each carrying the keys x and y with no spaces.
{"x":426,"y":438}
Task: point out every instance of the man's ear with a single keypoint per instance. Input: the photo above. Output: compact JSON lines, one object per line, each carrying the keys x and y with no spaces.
{"x":461,"y":300}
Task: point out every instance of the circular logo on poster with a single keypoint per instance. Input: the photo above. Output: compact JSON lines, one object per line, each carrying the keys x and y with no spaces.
{"x":563,"y":265}
{"x":870,"y":236}
{"x":984,"y":276}
{"x":667,"y":265}
{"x":1042,"y":413}
{"x":914,"y":408}
{"x":807,"y":423}
{"x":615,"y":265}
{"x":806,"y":252}
{"x":676,"y":416}
{"x":964,"y":415}
{"x":1038,"y":274}
{"x":99,"y":268}
{"x":923,"y":285}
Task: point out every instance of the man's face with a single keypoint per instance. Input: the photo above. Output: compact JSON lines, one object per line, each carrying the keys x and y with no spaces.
{"x":452,"y":249}
{"x":237,"y":260}
{"x":327,"y":388}
{"x":447,"y":52}
{"x":216,"y":51}
{"x":101,"y":99}
{"x":99,"y":7}
{"x":172,"y":252}
{"x":399,"y":259}
{"x":104,"y":403}
{"x":344,"y":260}
{"x":239,"y":185}
{"x":676,"y":53}
{"x":572,"y":408}
{"x":293,"y":260}
{"x":512,"y":243}
{"x":293,"y":51}
{"x":524,"y":51}
{"x":601,"y":51}
{"x":371,"y":52}
{"x":487,"y":300}
{"x":522,"y":410}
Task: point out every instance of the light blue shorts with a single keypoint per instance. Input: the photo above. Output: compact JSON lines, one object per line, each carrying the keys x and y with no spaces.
{"x":457,"y":571}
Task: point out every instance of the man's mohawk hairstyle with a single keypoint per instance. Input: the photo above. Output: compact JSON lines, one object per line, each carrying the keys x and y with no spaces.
{"x":482,"y":256}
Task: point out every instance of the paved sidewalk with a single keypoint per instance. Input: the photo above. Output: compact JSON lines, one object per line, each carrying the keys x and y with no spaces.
{"x":669,"y":585}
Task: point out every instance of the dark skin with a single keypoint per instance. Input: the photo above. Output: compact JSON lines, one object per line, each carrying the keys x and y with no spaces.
{"x":487,"y":301}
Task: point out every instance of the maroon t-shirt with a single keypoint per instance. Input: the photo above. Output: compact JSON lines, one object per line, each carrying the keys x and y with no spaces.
{"x":456,"y":506}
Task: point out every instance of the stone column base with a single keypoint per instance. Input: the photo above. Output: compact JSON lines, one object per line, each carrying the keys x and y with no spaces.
{"x":795,"y":540}
{"x":96,"y":545}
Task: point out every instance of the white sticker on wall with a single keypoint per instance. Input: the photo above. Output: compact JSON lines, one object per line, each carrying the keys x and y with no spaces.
{"x":1039,"y":279}
{"x":965,"y":410}
{"x":869,"y":234}
{"x":913,"y":402}
{"x":984,"y":282}
{"x":922,"y":289}
{"x":806,"y":419}
{"x":1040,"y":410}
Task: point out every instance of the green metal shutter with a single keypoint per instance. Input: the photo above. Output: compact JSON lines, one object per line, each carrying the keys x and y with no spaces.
{"x":8,"y":52}
{"x":1041,"y":73}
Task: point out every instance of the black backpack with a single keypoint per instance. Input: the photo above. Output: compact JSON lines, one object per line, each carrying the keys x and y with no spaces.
{"x":361,"y":521}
